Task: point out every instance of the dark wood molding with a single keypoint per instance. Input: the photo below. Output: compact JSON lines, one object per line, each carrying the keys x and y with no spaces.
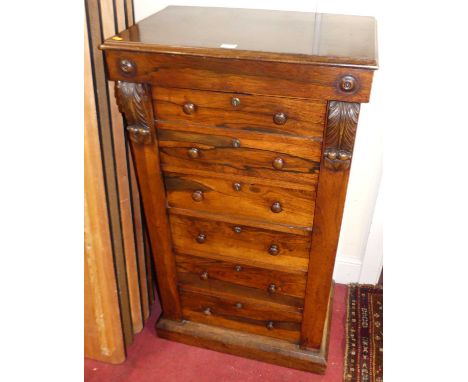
{"x":340,"y":135}
{"x":134,"y":102}
{"x":257,"y":77}
{"x":340,"y":131}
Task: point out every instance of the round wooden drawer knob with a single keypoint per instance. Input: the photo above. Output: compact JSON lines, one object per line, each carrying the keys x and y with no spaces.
{"x":201,"y":238}
{"x":127,"y":67}
{"x":237,"y":268}
{"x":280,"y":118}
{"x":204,"y":275}
{"x":237,"y":229}
{"x":276,"y":207}
{"x":197,"y":196}
{"x":207,"y":311}
{"x":273,"y":250}
{"x":239,"y":305}
{"x":235,"y":102}
{"x":271,"y":288}
{"x":236,"y":142}
{"x":194,"y":153}
{"x":348,"y":84}
{"x":278,"y":163}
{"x":270,"y":325}
{"x":189,"y":108}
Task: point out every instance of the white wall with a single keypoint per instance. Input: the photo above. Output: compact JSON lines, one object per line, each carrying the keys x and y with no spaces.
{"x":353,"y":263}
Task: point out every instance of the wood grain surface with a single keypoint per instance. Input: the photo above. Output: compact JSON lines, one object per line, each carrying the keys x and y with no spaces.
{"x":248,"y":244}
{"x":258,"y":34}
{"x":103,"y":338}
{"x":250,"y":345}
{"x":243,"y":159}
{"x":103,"y":19}
{"x":192,"y":282}
{"x":254,"y":113}
{"x":253,"y":200}
{"x":292,"y":284}
{"x":254,"y":157}
{"x":131,"y":255}
{"x":95,"y":29}
{"x":135,"y":103}
{"x":330,"y":201}
{"x":245,"y":221}
{"x":251,"y":318}
{"x":243,"y":344}
{"x":242,"y":76}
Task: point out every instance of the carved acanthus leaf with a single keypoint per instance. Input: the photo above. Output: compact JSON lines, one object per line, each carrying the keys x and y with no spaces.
{"x":340,"y":134}
{"x":135,"y":102}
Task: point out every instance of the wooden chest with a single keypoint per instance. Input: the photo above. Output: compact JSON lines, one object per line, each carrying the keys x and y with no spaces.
{"x":242,"y":125}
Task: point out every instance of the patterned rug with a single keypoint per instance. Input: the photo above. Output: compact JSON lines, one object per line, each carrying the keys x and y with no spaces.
{"x":364,"y":334}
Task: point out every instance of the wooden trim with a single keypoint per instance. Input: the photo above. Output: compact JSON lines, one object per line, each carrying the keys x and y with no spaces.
{"x":126,"y":215}
{"x":122,"y":201}
{"x":339,"y":138}
{"x":95,"y":25}
{"x":142,"y":263}
{"x":248,"y":345}
{"x":149,"y":270}
{"x":304,"y":231}
{"x":119,"y":9}
{"x":138,"y":230}
{"x":129,"y":13}
{"x":136,"y":104}
{"x":265,"y":78}
{"x":370,"y":64}
{"x":103,"y":338}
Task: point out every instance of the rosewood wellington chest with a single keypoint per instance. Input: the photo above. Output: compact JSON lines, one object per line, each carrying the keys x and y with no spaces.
{"x":242,"y":125}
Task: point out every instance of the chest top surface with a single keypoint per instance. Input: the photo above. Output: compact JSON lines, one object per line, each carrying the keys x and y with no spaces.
{"x":328,"y":39}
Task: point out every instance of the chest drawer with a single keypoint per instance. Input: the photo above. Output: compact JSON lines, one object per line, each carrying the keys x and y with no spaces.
{"x":248,"y":244}
{"x":239,"y":313}
{"x":272,"y":282}
{"x":266,"y":114}
{"x":249,"y":154}
{"x":289,"y":206}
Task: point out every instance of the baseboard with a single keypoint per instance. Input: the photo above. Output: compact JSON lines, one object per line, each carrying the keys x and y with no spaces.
{"x":347,"y":270}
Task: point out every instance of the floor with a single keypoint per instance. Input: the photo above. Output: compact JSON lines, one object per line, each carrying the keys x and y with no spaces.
{"x":152,"y":359}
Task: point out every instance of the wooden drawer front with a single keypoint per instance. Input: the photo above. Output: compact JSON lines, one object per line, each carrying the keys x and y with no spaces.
{"x":318,"y":82}
{"x":251,"y":245}
{"x":256,"y":155}
{"x":293,"y":207}
{"x":273,"y":282}
{"x":240,"y":314}
{"x":241,"y":111}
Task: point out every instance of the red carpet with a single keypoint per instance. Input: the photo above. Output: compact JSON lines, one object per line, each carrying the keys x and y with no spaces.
{"x":152,"y":359}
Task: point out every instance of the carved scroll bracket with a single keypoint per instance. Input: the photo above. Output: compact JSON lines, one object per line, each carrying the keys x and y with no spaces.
{"x":134,"y":102}
{"x":340,"y":134}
